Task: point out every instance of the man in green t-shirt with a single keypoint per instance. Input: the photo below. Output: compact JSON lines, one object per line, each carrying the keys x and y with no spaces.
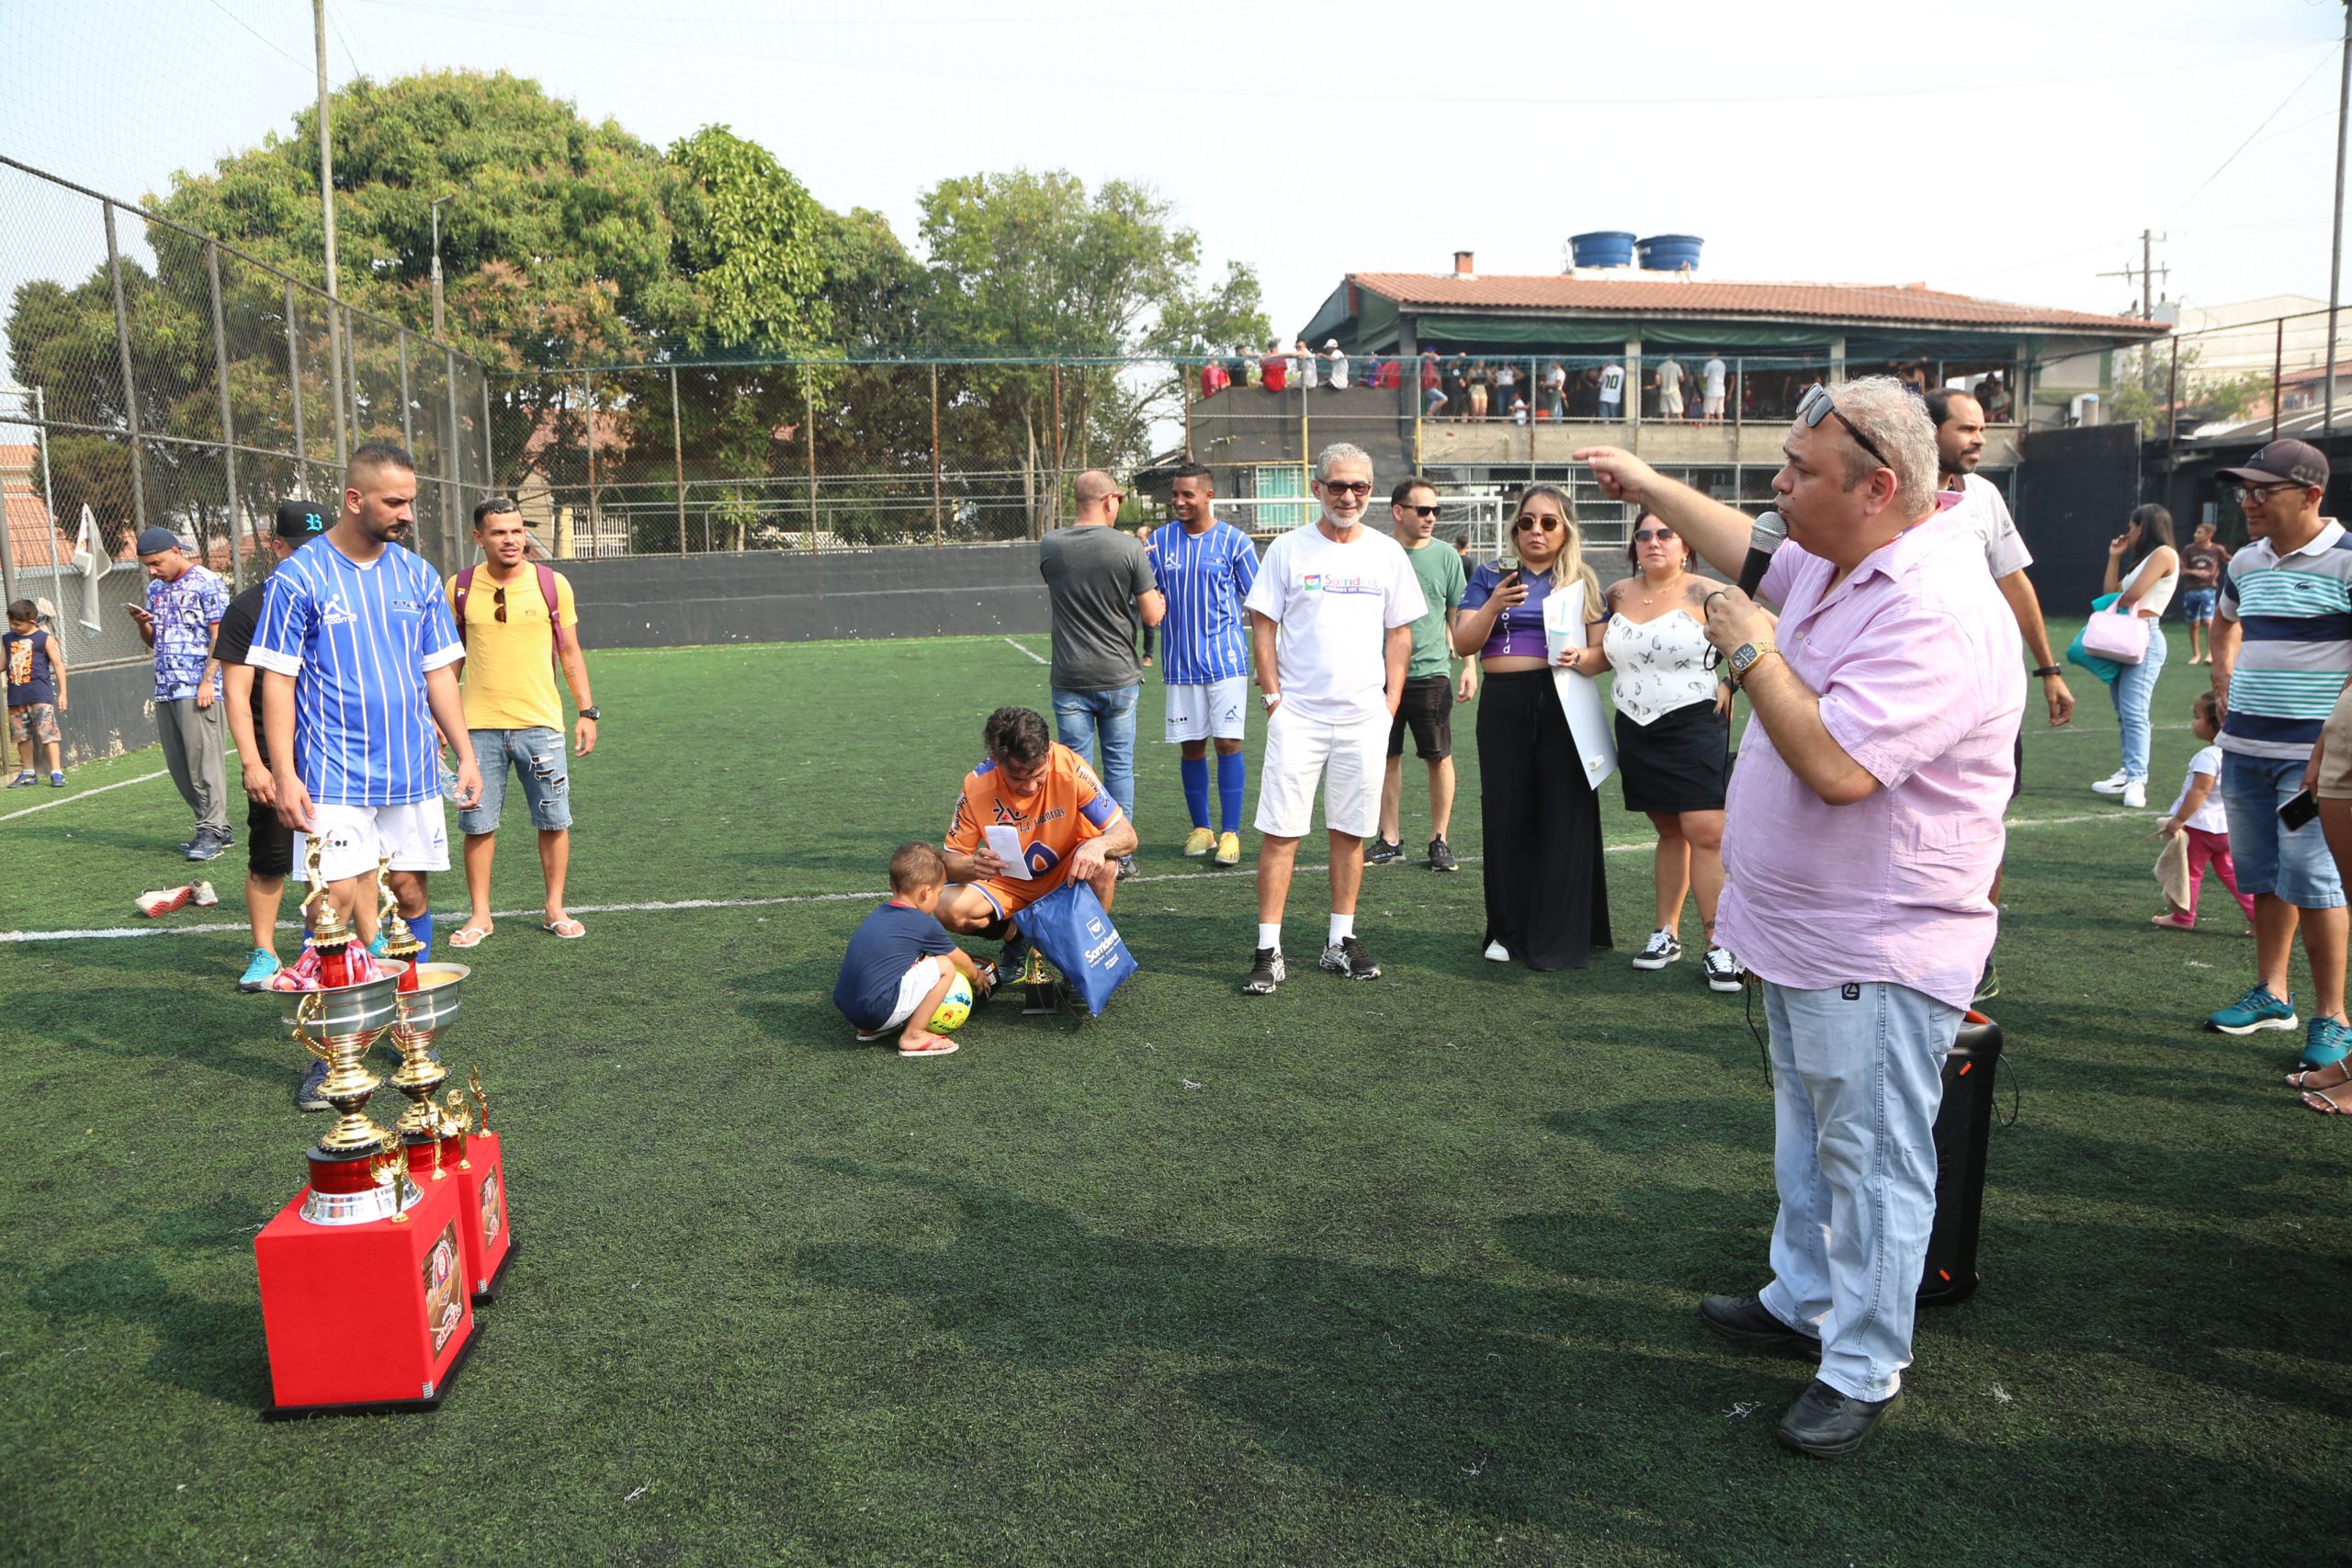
{"x":1431,"y":691}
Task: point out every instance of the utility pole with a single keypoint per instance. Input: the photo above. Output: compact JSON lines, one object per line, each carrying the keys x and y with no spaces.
{"x":2146,"y":272}
{"x":436,"y":205}
{"x":326,"y":145}
{"x":2335,"y":245}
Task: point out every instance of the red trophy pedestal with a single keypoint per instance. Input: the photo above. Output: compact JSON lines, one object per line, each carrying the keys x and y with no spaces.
{"x":366,"y":1317}
{"x":489,"y":1243}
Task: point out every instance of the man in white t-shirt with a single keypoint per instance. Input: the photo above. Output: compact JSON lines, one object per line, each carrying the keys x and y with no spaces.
{"x":1668,"y":380}
{"x":1613,"y":391}
{"x":1337,"y":360}
{"x":1331,"y":620}
{"x":1710,"y":389}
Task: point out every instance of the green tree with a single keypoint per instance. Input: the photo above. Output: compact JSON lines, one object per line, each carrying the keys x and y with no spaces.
{"x":2146,"y":389}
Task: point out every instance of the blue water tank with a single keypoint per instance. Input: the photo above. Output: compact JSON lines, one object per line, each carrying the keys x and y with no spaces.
{"x":1602,"y":247}
{"x":1670,"y":253}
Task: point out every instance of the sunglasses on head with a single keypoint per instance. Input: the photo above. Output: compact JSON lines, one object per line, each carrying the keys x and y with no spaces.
{"x":1816,"y":406}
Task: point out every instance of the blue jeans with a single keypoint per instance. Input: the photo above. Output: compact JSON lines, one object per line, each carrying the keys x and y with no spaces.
{"x":1080,"y":716}
{"x":536,"y":758}
{"x":2294,"y":866}
{"x":1857,"y":1078}
{"x":2134,"y":689}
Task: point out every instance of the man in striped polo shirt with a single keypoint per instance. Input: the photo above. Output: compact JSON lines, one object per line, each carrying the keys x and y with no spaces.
{"x":1205,"y":569}
{"x":358,"y":653}
{"x":2282,"y":648}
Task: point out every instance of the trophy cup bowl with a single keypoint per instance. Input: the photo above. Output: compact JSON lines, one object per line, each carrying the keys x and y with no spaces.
{"x":427,"y":1003}
{"x":338,"y":1025}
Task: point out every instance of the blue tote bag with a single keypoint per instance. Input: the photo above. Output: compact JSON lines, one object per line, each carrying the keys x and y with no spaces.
{"x":1071,"y":928}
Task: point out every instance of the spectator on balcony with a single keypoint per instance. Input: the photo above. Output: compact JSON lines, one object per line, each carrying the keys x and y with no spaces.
{"x":1996,"y":398}
{"x":1432,"y":384}
{"x":1710,"y":384}
{"x":1480,"y":387}
{"x":1244,"y":370}
{"x":1668,"y":378}
{"x":1274,"y":370}
{"x":1453,"y":386}
{"x":1338,"y":367}
{"x":1555,"y":392}
{"x":1302,"y":366}
{"x":1214,"y":378}
{"x":1506,"y":389}
{"x":1612,"y":393}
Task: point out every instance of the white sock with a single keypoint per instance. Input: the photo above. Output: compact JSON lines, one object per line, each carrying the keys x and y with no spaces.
{"x":1342,"y":927}
{"x":1271,"y":936}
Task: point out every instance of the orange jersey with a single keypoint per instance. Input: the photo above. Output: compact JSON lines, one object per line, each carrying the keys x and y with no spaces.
{"x":1069,"y":807}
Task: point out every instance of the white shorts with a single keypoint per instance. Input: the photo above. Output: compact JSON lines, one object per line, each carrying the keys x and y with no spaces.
{"x":1347,"y":759}
{"x":1199,"y":712}
{"x":416,"y":837}
{"x":913,"y":985}
{"x":1714,"y":405}
{"x":1670,"y":405}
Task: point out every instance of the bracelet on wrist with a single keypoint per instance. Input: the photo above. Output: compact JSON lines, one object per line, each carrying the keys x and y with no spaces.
{"x":2045,"y":671}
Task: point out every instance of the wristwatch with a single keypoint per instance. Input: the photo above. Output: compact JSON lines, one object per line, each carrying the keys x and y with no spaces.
{"x":590,"y":713}
{"x":2044,"y":671}
{"x":1744,"y":658}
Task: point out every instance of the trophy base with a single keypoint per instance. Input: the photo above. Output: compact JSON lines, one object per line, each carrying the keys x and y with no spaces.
{"x":490,"y":1240}
{"x":365,"y":1316}
{"x":385,"y":1406}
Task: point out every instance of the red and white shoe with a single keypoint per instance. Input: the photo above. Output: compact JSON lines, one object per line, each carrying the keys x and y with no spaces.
{"x":201,"y":894}
{"x":163,"y":901}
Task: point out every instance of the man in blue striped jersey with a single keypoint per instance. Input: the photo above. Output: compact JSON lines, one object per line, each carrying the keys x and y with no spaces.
{"x":2282,"y":648}
{"x":1205,"y":569}
{"x":357,"y":654}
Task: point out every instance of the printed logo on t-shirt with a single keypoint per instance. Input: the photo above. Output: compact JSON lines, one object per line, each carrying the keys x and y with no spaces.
{"x":1324,"y":582}
{"x":336,"y":613}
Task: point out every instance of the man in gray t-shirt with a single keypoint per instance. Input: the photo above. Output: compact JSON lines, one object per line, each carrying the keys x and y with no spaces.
{"x":1101,"y":583}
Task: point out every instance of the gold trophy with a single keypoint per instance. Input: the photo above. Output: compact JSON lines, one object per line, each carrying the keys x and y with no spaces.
{"x":429,"y":1003}
{"x":457,"y":1124}
{"x":338,"y":1023}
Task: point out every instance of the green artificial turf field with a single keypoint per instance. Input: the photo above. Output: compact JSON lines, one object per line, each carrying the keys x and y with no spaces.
{"x":1391,"y":1273}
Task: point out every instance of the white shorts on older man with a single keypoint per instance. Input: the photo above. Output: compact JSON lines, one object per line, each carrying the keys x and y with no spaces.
{"x":355,"y":839}
{"x":1347,"y":759}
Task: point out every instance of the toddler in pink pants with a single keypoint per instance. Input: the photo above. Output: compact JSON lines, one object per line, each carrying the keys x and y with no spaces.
{"x":2199,"y":813}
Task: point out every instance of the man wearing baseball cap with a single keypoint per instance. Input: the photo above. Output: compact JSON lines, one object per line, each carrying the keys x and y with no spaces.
{"x":2276,"y":688}
{"x":183,"y":608}
{"x":269,"y":843}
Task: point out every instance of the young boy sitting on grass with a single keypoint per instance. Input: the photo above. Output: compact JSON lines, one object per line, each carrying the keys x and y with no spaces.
{"x":901,"y":961}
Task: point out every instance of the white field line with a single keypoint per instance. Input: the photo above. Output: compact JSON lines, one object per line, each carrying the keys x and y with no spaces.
{"x":1039,"y":658}
{"x":214,"y":928}
{"x":84,"y":794}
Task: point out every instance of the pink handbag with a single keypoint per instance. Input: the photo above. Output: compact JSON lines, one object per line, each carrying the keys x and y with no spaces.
{"x":2117,"y":635}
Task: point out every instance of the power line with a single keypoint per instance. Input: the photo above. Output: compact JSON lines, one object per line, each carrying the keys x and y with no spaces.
{"x":2325,"y":61}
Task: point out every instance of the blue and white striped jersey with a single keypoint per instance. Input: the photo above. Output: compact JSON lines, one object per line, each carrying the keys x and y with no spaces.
{"x":1205,"y":576}
{"x":2295,"y":616}
{"x":358,"y":641}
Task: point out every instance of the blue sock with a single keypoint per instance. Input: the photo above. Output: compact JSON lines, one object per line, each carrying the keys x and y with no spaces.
{"x":1196,"y":788}
{"x":1230,"y":767}
{"x":421,"y":928}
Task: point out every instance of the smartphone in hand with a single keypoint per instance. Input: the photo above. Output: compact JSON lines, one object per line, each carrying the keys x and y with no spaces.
{"x":2299,"y":810}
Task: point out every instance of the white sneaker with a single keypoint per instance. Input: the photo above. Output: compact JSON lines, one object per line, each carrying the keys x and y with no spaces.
{"x":1498,"y":953}
{"x":1724,"y":972}
{"x":2135,"y":797}
{"x":2110,"y":787}
{"x":1662,"y":950}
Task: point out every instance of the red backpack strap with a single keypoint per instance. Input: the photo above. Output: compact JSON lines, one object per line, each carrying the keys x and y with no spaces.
{"x":465,"y":585}
{"x":555,"y":614}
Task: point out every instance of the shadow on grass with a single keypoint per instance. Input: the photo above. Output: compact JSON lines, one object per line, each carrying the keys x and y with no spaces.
{"x":1586,"y":1413}
{"x":242,"y":1036}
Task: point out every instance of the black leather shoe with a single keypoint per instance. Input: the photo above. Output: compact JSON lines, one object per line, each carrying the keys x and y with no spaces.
{"x":1744,"y":1320}
{"x":1830,"y":1425}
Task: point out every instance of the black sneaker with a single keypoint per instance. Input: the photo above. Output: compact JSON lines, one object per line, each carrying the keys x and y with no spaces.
{"x":1014,"y":954}
{"x":1988,"y":985}
{"x":1383,"y":852}
{"x":1126,"y":867}
{"x":1663,"y":950}
{"x":206,"y":845}
{"x":1266,"y":972}
{"x":1347,"y":959}
{"x":1441,"y":856}
{"x":307,"y":1097}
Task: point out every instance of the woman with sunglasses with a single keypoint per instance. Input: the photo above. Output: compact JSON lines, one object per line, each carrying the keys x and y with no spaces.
{"x":1673,"y":735}
{"x":2145,"y":586}
{"x":1547,"y":902}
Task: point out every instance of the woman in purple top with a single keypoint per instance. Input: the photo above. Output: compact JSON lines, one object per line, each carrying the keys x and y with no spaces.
{"x":1548,"y":903}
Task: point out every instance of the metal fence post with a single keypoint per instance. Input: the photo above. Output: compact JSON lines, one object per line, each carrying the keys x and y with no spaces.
{"x":678,"y":454}
{"x":228,"y":421}
{"x":2278,"y":370}
{"x":809,"y":411}
{"x":452,"y":498}
{"x":489,"y":462}
{"x":588,"y":424}
{"x":48,"y":490}
{"x":938,"y":529}
{"x":294,"y":374}
{"x":2172,"y":413}
{"x":408,"y":432}
{"x":336,"y":381}
{"x":130,"y":382}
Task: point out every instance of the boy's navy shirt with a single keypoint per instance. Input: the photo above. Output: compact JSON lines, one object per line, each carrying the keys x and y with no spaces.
{"x":885,"y":948}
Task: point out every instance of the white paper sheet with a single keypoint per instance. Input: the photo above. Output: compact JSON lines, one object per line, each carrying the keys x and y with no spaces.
{"x":1579,"y":695}
{"x":1004,"y":842}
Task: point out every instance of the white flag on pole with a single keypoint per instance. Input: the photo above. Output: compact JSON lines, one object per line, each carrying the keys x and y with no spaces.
{"x":89,"y":560}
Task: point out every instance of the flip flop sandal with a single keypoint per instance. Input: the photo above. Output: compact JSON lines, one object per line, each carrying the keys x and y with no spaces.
{"x":469,"y":936}
{"x":555,"y":928}
{"x":2328,"y":1105}
{"x":2309,"y":1078}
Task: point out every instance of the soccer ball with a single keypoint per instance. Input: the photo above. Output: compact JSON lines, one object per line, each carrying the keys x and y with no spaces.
{"x":955,"y":1006}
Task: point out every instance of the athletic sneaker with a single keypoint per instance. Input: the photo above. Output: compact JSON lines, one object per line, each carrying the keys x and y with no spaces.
{"x":1662,"y":950}
{"x":1266,"y":972}
{"x":1441,"y":856}
{"x":1347,"y":959}
{"x":2113,"y":784}
{"x":161,"y":901}
{"x":23,"y":779}
{"x":259,"y":967}
{"x":57,"y":781}
{"x":1126,"y":867}
{"x":1200,"y":842}
{"x":310,"y":1096}
{"x":1228,"y":850}
{"x":2135,"y":795}
{"x":1383,"y":852}
{"x":1498,"y":953}
{"x":2326,"y":1042}
{"x":1724,"y":972}
{"x":2256,"y":1009}
{"x":1988,"y":984}
{"x":1013,"y":955}
{"x":206,"y":845}
{"x":932,"y":1045}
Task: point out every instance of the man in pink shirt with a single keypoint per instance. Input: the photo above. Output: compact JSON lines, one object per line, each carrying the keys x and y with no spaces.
{"x":1862,"y":836}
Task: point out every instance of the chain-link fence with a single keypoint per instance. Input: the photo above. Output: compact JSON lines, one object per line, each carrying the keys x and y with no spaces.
{"x":162,"y":377}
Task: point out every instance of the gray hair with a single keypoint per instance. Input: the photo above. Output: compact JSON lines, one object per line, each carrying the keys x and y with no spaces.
{"x":1884,"y":409}
{"x":1340,"y":452}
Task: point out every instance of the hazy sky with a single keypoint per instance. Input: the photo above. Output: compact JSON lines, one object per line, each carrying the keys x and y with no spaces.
{"x":2013,"y":148}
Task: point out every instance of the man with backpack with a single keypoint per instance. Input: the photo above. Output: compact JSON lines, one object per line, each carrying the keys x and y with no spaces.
{"x":518,"y":623}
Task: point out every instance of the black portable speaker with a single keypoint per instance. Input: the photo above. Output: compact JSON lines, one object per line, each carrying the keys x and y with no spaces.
{"x":1963,"y":1126}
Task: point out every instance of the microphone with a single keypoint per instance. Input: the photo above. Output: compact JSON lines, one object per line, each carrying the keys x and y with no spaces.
{"x":1771,"y":531}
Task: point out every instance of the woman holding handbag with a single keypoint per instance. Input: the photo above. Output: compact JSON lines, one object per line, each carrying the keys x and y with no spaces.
{"x":2142,"y":569}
